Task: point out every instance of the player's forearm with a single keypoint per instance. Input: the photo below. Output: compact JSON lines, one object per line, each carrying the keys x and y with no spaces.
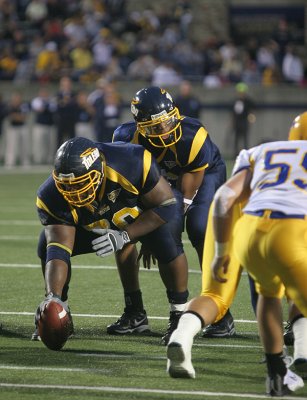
{"x":147,"y":222}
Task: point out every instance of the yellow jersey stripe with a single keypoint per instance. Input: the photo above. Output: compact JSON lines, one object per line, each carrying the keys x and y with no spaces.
{"x":62,"y":246}
{"x":146,"y":165}
{"x":114,"y":176}
{"x":198,"y":142}
{"x":200,"y":168}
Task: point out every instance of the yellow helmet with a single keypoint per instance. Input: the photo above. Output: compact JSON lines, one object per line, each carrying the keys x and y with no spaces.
{"x":298,"y":130}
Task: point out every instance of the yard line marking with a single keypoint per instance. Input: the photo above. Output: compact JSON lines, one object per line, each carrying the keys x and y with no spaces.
{"x":18,"y":237}
{"x":186,"y":393}
{"x":239,"y":346}
{"x":114,"y":355}
{"x":9,"y":222}
{"x":15,"y":367}
{"x":244,"y":321}
{"x":106,"y":267}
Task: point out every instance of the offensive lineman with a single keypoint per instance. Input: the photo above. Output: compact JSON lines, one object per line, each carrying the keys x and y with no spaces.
{"x":103,"y":198}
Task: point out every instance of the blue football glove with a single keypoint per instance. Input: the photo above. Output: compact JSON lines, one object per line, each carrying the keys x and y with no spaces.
{"x":109,"y":241}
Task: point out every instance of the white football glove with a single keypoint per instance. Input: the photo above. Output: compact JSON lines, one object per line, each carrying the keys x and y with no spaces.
{"x":109,"y":241}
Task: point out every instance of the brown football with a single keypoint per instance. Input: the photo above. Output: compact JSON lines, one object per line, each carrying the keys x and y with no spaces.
{"x":54,"y":326}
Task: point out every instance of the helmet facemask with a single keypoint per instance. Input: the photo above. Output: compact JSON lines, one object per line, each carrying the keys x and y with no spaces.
{"x":163,"y":130}
{"x":80,"y":191}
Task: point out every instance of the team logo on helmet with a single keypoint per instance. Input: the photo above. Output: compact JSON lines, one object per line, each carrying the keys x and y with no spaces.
{"x":134,"y":110}
{"x":168,"y":96}
{"x":89,"y":156}
{"x":158,"y":116}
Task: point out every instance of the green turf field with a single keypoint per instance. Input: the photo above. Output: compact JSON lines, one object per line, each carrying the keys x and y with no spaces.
{"x":94,"y":365}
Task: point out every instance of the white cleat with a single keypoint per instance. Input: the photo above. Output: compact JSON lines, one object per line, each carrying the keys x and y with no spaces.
{"x":179,"y":364}
{"x":293,"y":381}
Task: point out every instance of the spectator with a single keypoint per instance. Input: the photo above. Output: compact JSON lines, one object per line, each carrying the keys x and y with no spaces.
{"x":85,"y":114}
{"x":8,"y":64}
{"x":241,"y":117}
{"x":43,"y":134}
{"x":142,"y":67}
{"x":107,"y":104}
{"x":250,"y":73}
{"x":82,"y":60}
{"x":292,"y":66}
{"x":165,"y":74}
{"x":66,"y":111}
{"x":17,"y":134}
{"x":112,"y":112}
{"x":48,"y":63}
{"x":3,"y":112}
{"x":36,"y":12}
{"x":187,"y":103}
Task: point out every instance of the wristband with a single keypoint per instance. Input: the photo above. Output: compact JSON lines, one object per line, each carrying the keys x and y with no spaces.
{"x":187,"y":201}
{"x":221,"y":249}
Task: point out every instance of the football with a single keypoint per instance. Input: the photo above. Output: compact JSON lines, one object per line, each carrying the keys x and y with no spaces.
{"x":54,"y":326}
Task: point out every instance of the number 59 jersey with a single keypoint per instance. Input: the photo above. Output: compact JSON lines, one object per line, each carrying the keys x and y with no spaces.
{"x":279,"y":180}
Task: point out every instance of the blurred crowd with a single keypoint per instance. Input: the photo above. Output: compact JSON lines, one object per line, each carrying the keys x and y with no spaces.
{"x":43,"y":40}
{"x":33,"y":129}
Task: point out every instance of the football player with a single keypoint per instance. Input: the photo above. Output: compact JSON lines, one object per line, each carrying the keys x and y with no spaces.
{"x":296,"y":328}
{"x":103,"y":198}
{"x":269,"y":240}
{"x":193,"y":166}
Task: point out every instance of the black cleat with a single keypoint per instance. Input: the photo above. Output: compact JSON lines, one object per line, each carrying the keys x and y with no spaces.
{"x":174,"y":317}
{"x":136,"y":322}
{"x":224,"y":328}
{"x":288,"y":334}
{"x":281,"y":385}
{"x":275,"y":386}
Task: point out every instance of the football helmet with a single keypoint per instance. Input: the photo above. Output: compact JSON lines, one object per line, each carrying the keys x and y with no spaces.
{"x":157,"y":117}
{"x":78,"y":171}
{"x":298,"y":130}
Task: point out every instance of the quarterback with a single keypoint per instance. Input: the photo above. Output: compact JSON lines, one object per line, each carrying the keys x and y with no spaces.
{"x":193,"y":166}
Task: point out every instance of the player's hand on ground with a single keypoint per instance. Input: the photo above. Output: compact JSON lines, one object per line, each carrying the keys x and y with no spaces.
{"x":50,"y":297}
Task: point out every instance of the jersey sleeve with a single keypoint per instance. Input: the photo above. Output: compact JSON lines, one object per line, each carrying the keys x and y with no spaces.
{"x":243,"y":161}
{"x":124,"y":132}
{"x":203,"y":152}
{"x":51,"y":207}
{"x":151,"y":172}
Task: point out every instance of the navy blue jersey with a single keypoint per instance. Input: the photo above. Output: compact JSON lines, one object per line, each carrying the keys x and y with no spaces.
{"x":195,"y":151}
{"x":130,"y":171}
